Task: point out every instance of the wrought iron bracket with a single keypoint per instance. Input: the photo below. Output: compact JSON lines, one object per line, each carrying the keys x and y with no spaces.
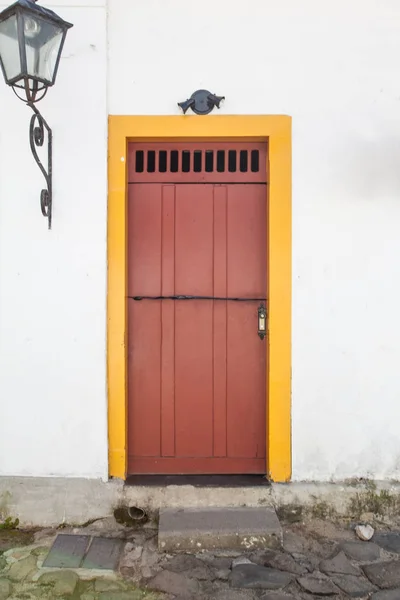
{"x":38,"y":131}
{"x":201,"y":102}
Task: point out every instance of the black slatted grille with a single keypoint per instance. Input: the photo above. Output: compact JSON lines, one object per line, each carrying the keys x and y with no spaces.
{"x":197,"y":161}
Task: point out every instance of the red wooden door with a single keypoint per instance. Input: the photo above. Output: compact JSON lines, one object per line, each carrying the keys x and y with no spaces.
{"x":196,"y":366}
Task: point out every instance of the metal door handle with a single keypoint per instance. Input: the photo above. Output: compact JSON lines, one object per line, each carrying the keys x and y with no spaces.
{"x":262,"y":321}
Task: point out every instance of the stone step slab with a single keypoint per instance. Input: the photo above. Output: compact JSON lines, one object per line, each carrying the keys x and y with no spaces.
{"x":197,"y":529}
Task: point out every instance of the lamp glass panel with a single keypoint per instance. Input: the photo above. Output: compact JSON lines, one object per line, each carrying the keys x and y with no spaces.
{"x":9,"y":48}
{"x":42,"y":41}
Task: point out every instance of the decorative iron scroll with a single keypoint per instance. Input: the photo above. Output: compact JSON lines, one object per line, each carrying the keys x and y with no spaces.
{"x":38,"y":131}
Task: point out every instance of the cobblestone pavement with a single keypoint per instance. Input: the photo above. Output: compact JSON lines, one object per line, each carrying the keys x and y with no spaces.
{"x":318,"y":559}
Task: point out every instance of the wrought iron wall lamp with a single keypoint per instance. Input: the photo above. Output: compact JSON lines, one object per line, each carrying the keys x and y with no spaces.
{"x":31,"y":43}
{"x":202,"y":102}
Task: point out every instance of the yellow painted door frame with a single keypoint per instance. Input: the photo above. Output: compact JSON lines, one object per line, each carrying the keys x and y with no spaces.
{"x":276,"y":129}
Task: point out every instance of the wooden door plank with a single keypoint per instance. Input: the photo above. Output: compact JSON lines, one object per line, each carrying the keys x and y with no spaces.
{"x":193,"y":321}
{"x":246,"y":355}
{"x":144,"y":323}
{"x":219,"y":322}
{"x":168,"y":322}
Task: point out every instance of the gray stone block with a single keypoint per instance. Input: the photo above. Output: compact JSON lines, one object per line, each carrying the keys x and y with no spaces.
{"x":199,"y":529}
{"x":384,"y":574}
{"x":338,"y":564}
{"x":361,"y":551}
{"x":175,"y":583}
{"x":389,"y":541}
{"x":283,"y":562}
{"x":189,"y":565}
{"x":257,"y":577}
{"x":355,"y":587}
{"x":318,"y":584}
{"x":387,"y":595}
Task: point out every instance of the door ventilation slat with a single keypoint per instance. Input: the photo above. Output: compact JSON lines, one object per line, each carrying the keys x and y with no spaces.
{"x":193,"y":162}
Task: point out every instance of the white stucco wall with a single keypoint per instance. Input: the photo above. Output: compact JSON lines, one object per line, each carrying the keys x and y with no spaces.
{"x":53,"y":284}
{"x":334,"y":67}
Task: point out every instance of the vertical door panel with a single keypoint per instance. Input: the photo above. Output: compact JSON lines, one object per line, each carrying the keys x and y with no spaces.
{"x":247,"y":248}
{"x":167,"y":340}
{"x":220,"y":321}
{"x":246,"y":355}
{"x":193,"y":333}
{"x":193,"y":379}
{"x":144,"y":379}
{"x":144,"y":239}
{"x":246,"y":383}
{"x":194,"y":240}
{"x":144,"y":321}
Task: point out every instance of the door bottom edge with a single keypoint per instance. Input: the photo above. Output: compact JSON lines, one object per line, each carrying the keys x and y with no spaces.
{"x":196,"y":466}
{"x":199,"y":481}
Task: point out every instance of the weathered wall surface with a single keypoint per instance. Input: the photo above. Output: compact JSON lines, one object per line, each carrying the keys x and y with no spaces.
{"x":332,"y":66}
{"x":53,"y":284}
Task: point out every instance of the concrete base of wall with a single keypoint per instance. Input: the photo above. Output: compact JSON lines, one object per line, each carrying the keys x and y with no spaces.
{"x":49,"y":502}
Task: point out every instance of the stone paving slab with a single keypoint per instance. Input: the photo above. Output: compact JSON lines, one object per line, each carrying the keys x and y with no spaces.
{"x":212,"y":528}
{"x":257,"y":577}
{"x":67,"y":551}
{"x":81,"y":551}
{"x":103,"y":553}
